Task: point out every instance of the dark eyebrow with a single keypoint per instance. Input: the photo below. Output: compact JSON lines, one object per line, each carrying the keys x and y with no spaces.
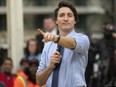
{"x":67,"y":13}
{"x":70,"y":13}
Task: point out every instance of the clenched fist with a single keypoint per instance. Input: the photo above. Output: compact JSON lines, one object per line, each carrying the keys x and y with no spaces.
{"x":55,"y":59}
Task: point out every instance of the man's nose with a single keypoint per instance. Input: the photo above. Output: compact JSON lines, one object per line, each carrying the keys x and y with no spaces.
{"x":65,"y":18}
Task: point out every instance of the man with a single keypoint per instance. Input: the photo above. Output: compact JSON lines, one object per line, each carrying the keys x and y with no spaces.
{"x":49,"y":25}
{"x":26,"y":78}
{"x":6,"y":77}
{"x":73,"y":60}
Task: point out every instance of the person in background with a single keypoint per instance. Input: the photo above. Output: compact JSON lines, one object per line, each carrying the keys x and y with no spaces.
{"x":91,"y":61}
{"x":23,"y":64}
{"x":49,"y":25}
{"x":106,"y":49}
{"x":6,"y":76}
{"x":32,"y":50}
{"x":102,"y":54}
{"x":2,"y":56}
{"x":26,"y":78}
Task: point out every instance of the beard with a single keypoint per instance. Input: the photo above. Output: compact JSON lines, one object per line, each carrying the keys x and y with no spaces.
{"x":8,"y":73}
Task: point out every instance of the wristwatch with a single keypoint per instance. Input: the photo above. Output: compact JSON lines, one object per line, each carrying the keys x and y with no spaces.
{"x":57,"y":39}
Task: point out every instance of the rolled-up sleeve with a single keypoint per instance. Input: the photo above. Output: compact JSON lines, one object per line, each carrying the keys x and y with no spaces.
{"x":82,"y":43}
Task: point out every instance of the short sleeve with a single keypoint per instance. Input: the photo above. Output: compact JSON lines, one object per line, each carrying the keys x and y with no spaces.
{"x":82,"y":43}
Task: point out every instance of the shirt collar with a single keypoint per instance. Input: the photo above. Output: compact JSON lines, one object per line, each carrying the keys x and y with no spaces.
{"x":71,"y":33}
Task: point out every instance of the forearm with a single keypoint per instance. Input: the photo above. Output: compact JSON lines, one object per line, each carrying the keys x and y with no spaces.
{"x":67,"y":42}
{"x":43,"y":76}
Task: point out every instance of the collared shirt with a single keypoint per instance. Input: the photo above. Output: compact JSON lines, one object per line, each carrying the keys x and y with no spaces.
{"x":74,"y":62}
{"x":54,"y":31}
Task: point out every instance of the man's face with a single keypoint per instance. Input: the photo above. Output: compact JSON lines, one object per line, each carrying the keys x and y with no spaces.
{"x":7,"y":66}
{"x":49,"y":24}
{"x":65,"y":19}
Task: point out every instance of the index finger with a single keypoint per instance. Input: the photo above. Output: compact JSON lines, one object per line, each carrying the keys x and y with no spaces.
{"x":41,"y":32}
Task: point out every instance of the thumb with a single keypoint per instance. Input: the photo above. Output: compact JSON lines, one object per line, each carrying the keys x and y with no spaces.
{"x":56,"y":53}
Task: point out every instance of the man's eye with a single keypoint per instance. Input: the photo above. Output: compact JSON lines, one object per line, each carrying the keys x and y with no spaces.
{"x":70,"y":15}
{"x":61,"y":15}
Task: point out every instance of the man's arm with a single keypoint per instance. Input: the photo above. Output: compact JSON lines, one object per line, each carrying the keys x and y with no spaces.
{"x":42,"y":76}
{"x":66,"y":42}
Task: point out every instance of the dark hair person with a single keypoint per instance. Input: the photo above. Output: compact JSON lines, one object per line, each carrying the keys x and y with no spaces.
{"x":6,"y":76}
{"x":65,"y":56}
{"x":32,"y":50}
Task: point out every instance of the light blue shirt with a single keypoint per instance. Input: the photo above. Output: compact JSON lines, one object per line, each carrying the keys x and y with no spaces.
{"x":74,"y":62}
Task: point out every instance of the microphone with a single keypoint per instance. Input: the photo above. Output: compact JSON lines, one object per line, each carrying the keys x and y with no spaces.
{"x":58,"y":49}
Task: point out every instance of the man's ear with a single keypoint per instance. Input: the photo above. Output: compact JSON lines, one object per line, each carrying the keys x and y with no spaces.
{"x":56,"y":22}
{"x":75,"y":22}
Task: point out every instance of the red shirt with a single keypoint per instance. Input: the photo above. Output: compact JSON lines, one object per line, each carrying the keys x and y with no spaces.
{"x":7,"y":80}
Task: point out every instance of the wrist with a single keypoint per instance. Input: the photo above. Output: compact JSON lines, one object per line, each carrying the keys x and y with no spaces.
{"x":57,"y":39}
{"x":51,"y":67}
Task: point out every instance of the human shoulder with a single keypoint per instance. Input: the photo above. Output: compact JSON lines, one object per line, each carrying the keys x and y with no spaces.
{"x":14,"y":76}
{"x":2,"y":74}
{"x":82,"y":38}
{"x":80,"y":35}
{"x":22,"y":74}
{"x":18,"y":82}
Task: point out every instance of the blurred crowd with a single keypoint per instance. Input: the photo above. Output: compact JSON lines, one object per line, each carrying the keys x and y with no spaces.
{"x":101,"y":69}
{"x":25,"y":76}
{"x":100,"y":72}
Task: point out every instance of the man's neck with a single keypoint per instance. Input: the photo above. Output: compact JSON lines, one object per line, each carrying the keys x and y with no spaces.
{"x":62,"y":33}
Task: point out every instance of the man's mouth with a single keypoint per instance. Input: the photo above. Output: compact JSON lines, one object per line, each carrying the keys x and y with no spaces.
{"x":65,"y":24}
